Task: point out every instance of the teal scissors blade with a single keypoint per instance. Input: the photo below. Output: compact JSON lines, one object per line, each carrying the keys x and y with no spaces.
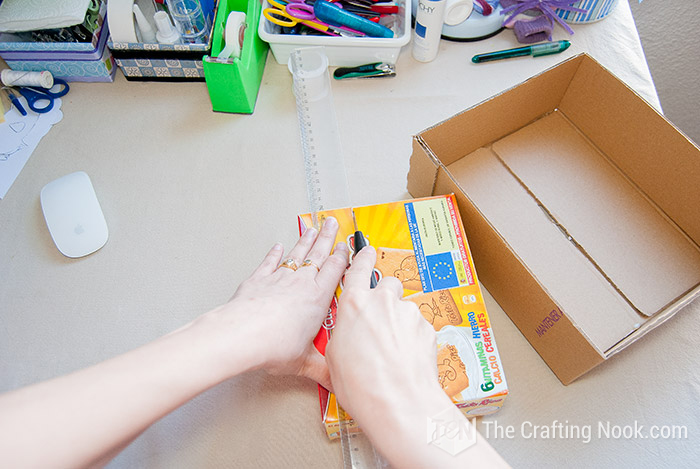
{"x":41,"y":100}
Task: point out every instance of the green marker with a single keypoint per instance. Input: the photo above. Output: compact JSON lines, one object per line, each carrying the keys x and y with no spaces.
{"x":534,"y":50}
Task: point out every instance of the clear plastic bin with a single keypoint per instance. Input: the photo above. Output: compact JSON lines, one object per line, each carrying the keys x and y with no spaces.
{"x":341,"y":51}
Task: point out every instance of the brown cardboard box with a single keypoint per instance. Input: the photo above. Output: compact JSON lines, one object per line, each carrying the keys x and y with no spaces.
{"x":580,"y":202}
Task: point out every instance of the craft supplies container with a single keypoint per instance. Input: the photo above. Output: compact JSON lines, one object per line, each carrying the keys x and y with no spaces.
{"x":89,"y":61}
{"x":341,"y":51}
{"x":141,"y":61}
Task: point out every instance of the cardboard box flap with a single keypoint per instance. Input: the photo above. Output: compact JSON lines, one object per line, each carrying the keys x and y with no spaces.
{"x":421,"y":179}
{"x":555,"y":337}
{"x":495,"y":117}
{"x":583,"y":294}
{"x":649,"y":149}
{"x":644,"y":256}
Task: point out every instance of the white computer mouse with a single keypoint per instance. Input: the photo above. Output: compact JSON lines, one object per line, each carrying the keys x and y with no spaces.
{"x":73,"y":215}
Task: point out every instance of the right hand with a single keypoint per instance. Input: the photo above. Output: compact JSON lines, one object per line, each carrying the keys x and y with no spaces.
{"x":382,"y":360}
{"x":382,"y":352}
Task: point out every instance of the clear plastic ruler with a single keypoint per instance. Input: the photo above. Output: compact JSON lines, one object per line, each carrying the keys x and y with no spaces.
{"x":358,"y":452}
{"x":324,"y":167}
{"x":327,"y":188}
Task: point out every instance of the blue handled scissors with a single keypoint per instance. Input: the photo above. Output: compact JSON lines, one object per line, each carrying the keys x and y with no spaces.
{"x":41,"y":100}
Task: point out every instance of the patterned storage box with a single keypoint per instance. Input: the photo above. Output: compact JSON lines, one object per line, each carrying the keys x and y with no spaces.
{"x":161,"y":62}
{"x":71,"y":61}
{"x":167,"y":62}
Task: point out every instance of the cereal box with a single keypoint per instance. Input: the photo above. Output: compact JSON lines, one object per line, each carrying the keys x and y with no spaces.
{"x":422,"y":243}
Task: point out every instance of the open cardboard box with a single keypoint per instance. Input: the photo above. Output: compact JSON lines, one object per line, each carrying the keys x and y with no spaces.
{"x":580,"y":202}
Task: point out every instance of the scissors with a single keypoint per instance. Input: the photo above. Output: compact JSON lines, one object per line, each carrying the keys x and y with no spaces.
{"x":41,"y":100}
{"x":92,"y":18}
{"x":293,"y":13}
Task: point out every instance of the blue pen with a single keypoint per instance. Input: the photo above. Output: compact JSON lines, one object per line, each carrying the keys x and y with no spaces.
{"x":15,"y":100}
{"x":334,"y":15}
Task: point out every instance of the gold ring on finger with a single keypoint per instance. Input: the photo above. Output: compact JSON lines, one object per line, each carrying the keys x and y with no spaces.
{"x":308,"y":262}
{"x":289,"y":263}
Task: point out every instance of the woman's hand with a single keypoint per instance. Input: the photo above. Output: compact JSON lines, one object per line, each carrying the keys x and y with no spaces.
{"x":85,"y":418}
{"x":382,"y":348}
{"x":282,"y":308}
{"x":383,"y":364}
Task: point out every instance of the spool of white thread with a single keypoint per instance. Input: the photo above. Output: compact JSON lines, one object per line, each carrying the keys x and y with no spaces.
{"x":20,"y":78}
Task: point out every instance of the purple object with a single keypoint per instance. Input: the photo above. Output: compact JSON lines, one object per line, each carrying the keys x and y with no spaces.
{"x":547,"y":8}
{"x":534,"y":30}
{"x":301,"y":10}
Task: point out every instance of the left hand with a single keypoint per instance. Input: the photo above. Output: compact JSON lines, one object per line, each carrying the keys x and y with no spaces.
{"x":86,"y":418}
{"x":283,"y":308}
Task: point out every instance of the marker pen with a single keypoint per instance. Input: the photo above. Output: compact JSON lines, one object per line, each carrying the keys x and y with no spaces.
{"x":535,"y":50}
{"x":430,"y":17}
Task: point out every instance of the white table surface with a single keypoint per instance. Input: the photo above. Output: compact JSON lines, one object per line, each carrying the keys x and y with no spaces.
{"x":194,"y":199}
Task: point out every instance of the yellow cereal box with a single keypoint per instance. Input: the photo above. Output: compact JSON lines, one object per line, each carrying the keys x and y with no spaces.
{"x":422,"y":243}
